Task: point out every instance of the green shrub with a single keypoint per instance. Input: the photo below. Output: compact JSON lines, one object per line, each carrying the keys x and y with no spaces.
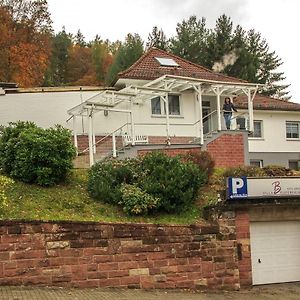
{"x":273,"y":170}
{"x":105,"y":179}
{"x":159,"y":181}
{"x":9,"y":139}
{"x":202,"y":159}
{"x":42,"y":156}
{"x":174,"y":182}
{"x":137,"y":202}
{"x":249,"y":171}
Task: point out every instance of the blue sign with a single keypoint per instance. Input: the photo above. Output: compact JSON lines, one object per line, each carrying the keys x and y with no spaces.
{"x":237,"y":188}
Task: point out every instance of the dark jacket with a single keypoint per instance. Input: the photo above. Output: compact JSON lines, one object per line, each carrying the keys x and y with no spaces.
{"x":228,"y":108}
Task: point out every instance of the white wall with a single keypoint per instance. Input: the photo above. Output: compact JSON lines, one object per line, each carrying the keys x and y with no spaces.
{"x":274,"y":132}
{"x":48,"y":109}
{"x":45,"y":109}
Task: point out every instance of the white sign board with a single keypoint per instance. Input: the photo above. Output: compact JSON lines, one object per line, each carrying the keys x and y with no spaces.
{"x":271,"y":187}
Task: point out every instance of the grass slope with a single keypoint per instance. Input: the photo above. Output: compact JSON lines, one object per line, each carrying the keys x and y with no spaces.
{"x":71,"y":201}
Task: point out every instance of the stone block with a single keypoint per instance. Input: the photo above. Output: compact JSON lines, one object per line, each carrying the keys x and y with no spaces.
{"x":140,"y":271}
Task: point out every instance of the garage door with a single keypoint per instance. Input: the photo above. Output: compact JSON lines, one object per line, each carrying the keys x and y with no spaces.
{"x":275,"y":251}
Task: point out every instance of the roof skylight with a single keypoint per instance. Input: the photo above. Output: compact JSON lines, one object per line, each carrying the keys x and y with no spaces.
{"x":167,"y":62}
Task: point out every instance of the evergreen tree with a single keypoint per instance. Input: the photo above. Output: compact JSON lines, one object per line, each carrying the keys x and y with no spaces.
{"x":57,"y":71}
{"x":157,"y":39}
{"x":220,"y":42}
{"x":190,"y":41}
{"x":128,"y":53}
{"x":246,"y":56}
{"x":79,"y":39}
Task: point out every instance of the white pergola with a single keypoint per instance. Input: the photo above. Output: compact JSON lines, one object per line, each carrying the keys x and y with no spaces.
{"x":109,"y":100}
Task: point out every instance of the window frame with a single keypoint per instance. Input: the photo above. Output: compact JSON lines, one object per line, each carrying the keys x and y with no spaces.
{"x":297,"y":161}
{"x":259,"y":161}
{"x":163,"y":108}
{"x":252,"y":136}
{"x":286,"y":130}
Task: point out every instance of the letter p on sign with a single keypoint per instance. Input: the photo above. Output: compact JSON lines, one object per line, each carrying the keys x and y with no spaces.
{"x":237,"y":183}
{"x":237,"y":188}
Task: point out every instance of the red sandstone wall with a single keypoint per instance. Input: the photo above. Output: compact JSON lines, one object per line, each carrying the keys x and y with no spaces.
{"x":242,"y":224}
{"x":228,"y":150}
{"x":117,"y":255}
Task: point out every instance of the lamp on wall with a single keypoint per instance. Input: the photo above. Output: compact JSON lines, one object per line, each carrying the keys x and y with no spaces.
{"x":105,"y":112}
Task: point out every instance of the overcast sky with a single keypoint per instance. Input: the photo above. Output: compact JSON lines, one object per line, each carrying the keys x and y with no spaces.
{"x":276,"y":20}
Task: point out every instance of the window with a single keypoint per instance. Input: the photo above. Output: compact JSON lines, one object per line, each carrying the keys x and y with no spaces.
{"x":174,"y":108}
{"x":294,"y":165}
{"x":292,"y":130}
{"x":174,"y":105}
{"x":167,"y":62}
{"x":155,"y":106}
{"x":256,"y":163}
{"x":257,"y":132}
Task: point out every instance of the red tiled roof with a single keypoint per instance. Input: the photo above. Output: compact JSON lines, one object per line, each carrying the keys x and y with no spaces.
{"x":148,"y":68}
{"x":261,"y":102}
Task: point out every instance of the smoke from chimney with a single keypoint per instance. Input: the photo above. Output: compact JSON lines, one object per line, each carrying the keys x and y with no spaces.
{"x":227,"y":60}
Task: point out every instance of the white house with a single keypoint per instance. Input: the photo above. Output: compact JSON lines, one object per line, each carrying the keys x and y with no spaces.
{"x":165,"y":102}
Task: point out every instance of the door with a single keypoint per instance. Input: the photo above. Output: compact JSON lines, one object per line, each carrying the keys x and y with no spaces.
{"x":275,"y":251}
{"x":206,"y":121}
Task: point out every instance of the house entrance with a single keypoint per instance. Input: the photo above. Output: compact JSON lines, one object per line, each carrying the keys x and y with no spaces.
{"x":206,"y":121}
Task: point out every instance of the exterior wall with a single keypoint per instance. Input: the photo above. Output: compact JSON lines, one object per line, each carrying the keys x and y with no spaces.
{"x":50,"y":108}
{"x":45,"y":109}
{"x":278,"y":158}
{"x":118,"y":255}
{"x":274,"y":133}
{"x":170,"y":151}
{"x":228,"y":150}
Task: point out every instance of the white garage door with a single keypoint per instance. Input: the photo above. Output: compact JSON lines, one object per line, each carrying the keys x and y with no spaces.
{"x":275,"y":251}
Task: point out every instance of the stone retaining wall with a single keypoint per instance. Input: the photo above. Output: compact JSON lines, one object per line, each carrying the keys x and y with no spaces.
{"x":119,"y":255}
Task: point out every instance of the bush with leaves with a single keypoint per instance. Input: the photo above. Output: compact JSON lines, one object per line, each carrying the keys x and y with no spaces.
{"x":9,"y":139}
{"x":35,"y":155}
{"x":159,"y":181}
{"x":176,"y":183}
{"x":135,"y":201}
{"x":202,"y":159}
{"x":105,"y":179}
{"x":273,"y":170}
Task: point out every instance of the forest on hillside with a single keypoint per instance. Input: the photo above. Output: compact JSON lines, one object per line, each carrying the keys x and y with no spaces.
{"x":32,"y":54}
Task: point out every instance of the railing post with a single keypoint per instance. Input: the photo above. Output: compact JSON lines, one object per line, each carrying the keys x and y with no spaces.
{"x":114,"y":145}
{"x":94,"y":137}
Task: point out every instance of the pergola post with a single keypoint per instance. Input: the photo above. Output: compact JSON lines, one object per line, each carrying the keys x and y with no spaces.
{"x":199,"y":98}
{"x":90,"y":132}
{"x":250,"y":109}
{"x":75,"y":134}
{"x":94,"y":136}
{"x":219,"y":108}
{"x":166,"y":103}
{"x":132,"y":122}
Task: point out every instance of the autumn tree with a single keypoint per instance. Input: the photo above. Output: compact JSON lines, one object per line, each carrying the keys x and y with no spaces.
{"x":128,"y":53}
{"x":27,"y":26}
